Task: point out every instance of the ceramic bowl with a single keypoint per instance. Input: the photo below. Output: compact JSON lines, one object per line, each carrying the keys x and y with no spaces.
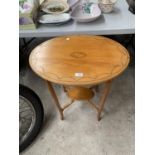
{"x":55,"y":7}
{"x":107,"y":5}
{"x":82,"y":13}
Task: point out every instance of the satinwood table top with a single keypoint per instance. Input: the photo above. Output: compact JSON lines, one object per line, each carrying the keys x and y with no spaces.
{"x":79,"y":60}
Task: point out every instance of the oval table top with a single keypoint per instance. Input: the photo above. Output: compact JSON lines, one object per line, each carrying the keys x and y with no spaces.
{"x":79,"y":60}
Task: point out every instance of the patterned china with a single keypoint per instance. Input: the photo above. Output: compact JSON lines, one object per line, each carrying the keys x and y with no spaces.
{"x":86,"y":12}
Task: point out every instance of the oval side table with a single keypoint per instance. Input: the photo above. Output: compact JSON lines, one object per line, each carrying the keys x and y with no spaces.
{"x":79,"y":63}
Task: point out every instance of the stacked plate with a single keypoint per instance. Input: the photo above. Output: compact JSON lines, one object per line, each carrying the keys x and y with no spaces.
{"x":49,"y":19}
{"x":80,"y":12}
{"x":54,"y":12}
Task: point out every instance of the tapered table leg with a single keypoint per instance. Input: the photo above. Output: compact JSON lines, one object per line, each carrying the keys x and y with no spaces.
{"x":103,"y":98}
{"x":64,"y":88}
{"x":51,"y":89}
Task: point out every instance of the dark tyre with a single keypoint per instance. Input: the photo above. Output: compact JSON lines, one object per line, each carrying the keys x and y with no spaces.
{"x":30,"y":116}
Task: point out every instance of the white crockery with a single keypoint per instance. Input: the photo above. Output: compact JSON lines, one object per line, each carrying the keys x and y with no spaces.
{"x":107,"y":5}
{"x":55,"y":4}
{"x":79,"y":15}
{"x":52,"y":19}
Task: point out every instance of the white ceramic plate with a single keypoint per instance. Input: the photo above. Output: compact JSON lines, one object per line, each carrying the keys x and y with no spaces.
{"x":53,"y":19}
{"x":55,"y":7}
{"x":83,"y":13}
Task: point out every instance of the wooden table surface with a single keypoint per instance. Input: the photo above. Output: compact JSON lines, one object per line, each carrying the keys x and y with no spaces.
{"x":79,"y":60}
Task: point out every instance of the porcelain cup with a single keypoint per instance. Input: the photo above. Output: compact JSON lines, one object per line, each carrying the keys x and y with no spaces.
{"x":107,"y":5}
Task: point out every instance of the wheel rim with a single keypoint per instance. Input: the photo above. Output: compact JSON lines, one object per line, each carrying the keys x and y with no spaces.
{"x":27,"y":118}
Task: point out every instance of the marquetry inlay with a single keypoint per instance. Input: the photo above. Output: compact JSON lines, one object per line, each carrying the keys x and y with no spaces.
{"x":95,"y":59}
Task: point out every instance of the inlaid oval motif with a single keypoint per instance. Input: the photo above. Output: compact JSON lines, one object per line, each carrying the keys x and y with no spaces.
{"x":83,"y":60}
{"x":78,"y":54}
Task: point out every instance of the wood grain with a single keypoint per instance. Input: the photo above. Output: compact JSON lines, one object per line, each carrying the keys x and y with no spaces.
{"x":79,"y":60}
{"x":80,"y":93}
